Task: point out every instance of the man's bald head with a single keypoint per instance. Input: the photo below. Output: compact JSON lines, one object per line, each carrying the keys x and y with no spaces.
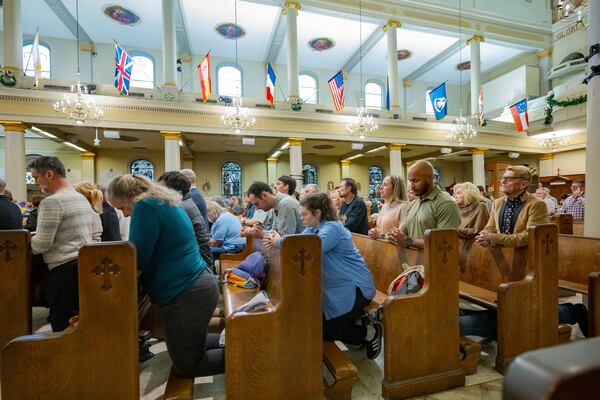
{"x":2,"y":186}
{"x":420,"y":176}
{"x":422,"y":168}
{"x":190,"y":175}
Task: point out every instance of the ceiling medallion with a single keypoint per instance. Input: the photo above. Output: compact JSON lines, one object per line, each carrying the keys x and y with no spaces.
{"x":404,"y":54}
{"x":463,"y":66}
{"x":230,"y":30}
{"x":121,"y":15}
{"x":321,"y":43}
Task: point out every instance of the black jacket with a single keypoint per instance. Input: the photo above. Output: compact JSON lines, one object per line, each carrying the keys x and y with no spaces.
{"x":10,"y":214}
{"x":111,"y":230}
{"x":354,"y":216}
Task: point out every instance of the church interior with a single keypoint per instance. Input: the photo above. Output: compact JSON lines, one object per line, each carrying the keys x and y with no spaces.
{"x":389,"y":59}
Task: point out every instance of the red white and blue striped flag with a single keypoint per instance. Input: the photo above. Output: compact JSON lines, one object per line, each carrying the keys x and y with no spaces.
{"x":271,"y":85}
{"x":336,"y":86}
{"x":519,"y":113}
{"x":123,"y":67}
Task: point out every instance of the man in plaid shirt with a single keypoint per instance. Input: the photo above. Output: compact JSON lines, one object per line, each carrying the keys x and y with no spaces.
{"x":575,"y":204}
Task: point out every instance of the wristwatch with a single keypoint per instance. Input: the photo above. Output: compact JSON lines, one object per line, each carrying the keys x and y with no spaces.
{"x":408,"y":242}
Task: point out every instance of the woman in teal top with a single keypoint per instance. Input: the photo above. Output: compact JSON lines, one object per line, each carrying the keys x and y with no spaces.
{"x":172,"y":272}
{"x":347,"y":281}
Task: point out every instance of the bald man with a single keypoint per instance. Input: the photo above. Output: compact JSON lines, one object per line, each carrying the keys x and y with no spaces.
{"x":196,"y":196}
{"x":10,"y":213}
{"x":431,"y":209}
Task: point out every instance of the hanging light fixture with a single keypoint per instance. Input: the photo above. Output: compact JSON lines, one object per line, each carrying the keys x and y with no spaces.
{"x":363,"y":124}
{"x":237,"y":117}
{"x":77,"y":106}
{"x":462,"y":130}
{"x":554,"y":143}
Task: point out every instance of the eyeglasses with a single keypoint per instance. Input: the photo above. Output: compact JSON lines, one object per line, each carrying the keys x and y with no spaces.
{"x":509,"y":178}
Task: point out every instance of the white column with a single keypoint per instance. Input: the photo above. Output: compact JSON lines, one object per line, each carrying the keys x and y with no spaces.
{"x":392,"y":61}
{"x":172,"y":152}
{"x":296,"y":161}
{"x":475,"y":72}
{"x":546,"y":165}
{"x":271,"y":171}
{"x":545,"y":57}
{"x":346,"y":168}
{"x":291,"y":9}
{"x":478,"y":166}
{"x":88,"y":168}
{"x":396,"y":159}
{"x":592,"y":163}
{"x":169,"y":43}
{"x":13,"y":36}
{"x":408,"y":94}
{"x":14,"y":159}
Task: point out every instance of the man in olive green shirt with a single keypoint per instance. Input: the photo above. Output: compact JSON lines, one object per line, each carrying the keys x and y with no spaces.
{"x":430,"y":210}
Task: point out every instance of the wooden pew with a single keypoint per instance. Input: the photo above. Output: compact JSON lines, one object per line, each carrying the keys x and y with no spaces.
{"x":421,"y":350}
{"x":97,"y":359}
{"x":521,"y":284}
{"x":230,"y":260}
{"x":15,"y":268}
{"x":276,"y":353}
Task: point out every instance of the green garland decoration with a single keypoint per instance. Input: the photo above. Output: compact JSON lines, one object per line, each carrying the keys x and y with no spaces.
{"x":7,"y":78}
{"x":551,"y":103}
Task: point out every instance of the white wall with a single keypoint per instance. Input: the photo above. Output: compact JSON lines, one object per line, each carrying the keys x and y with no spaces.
{"x":511,"y":87}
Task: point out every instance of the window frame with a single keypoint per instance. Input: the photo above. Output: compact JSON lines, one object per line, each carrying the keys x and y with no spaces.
{"x":141,"y":53}
{"x":305,"y":181}
{"x":233,"y":65}
{"x":381,"y":97}
{"x":428,"y":106}
{"x":143,"y":159}
{"x":373,"y":195}
{"x":42,"y":44}
{"x":315,"y":96}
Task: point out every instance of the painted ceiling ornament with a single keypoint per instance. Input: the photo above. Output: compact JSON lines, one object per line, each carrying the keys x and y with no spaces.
{"x":321,"y":43}
{"x":463,"y":66}
{"x":404,"y":54}
{"x":122,"y":15}
{"x":229,"y":30}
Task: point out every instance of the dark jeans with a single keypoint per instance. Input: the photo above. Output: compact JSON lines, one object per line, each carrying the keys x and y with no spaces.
{"x":217,"y":251}
{"x":344,"y":328}
{"x":62,"y":294}
{"x":193,"y":351}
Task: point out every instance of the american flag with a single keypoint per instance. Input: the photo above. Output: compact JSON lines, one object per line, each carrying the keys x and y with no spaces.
{"x":519,"y":113}
{"x":336,"y":86}
{"x":123,"y":67}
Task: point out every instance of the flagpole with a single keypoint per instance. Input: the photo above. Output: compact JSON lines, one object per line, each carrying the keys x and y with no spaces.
{"x":37,"y":31}
{"x":143,"y":72}
{"x":276,"y":83}
{"x":192,"y":73}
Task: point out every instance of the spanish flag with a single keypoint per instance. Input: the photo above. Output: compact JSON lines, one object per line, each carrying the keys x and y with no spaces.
{"x":204,"y":74}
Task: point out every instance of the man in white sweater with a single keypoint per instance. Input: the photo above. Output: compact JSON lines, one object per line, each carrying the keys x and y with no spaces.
{"x":64,"y":225}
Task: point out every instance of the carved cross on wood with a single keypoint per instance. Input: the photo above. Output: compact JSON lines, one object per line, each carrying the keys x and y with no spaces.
{"x":548,"y":241}
{"x":557,"y":171}
{"x":444,"y":247}
{"x":7,"y":247}
{"x":106,"y":268}
{"x":300,"y":258}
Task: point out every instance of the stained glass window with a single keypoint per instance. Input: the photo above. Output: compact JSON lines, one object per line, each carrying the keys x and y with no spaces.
{"x":231,"y":180}
{"x":309,"y":174}
{"x":375,"y":181}
{"x":143,"y":168}
{"x":29,"y":179}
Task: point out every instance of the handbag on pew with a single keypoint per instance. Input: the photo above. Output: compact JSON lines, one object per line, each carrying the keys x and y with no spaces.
{"x":409,"y":281}
{"x":250,"y":274}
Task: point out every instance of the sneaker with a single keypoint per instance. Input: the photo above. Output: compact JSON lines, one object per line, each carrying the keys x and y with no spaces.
{"x":374,"y":345}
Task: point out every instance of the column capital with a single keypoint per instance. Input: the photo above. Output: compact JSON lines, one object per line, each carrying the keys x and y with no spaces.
{"x":295,"y":141}
{"x":171,"y":135}
{"x":391,"y":23}
{"x":14,"y":126}
{"x":409,"y":164}
{"x":346,"y":163}
{"x":544,"y":53}
{"x":170,"y":84}
{"x":187,"y":157}
{"x":87,"y":155}
{"x":475,"y":38}
{"x":407,"y":83}
{"x":272,"y":160}
{"x":291,"y":3}
{"x":478,"y":150}
{"x":547,"y":156}
{"x":396,"y":146}
{"x":87,"y":47}
{"x":185,"y":58}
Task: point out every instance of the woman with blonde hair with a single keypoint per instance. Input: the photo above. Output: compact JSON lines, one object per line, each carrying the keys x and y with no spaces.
{"x":95,"y":198}
{"x":473,"y":210}
{"x":173,"y":273}
{"x":393,"y":211}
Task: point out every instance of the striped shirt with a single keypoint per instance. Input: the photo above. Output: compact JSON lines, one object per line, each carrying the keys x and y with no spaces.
{"x":64,"y":225}
{"x":574,"y":205}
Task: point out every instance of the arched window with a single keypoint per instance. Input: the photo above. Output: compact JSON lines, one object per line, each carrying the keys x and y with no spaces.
{"x":308,"y":89}
{"x":29,"y":158}
{"x":309,"y":174}
{"x":231,"y":180}
{"x":373,"y":95}
{"x":44,"y":60}
{"x":375,"y":181}
{"x":143,"y":168}
{"x":142,"y":73}
{"x":229,"y":81}
{"x":428,"y":105}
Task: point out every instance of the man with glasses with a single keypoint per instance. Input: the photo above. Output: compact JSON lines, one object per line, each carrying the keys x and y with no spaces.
{"x":575,"y":204}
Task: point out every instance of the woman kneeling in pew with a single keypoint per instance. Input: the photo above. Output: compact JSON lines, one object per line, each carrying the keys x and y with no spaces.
{"x":172,"y":272}
{"x":347,"y":281}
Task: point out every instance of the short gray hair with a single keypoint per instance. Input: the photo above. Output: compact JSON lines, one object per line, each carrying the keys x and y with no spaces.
{"x":189,"y":174}
{"x":312,"y":186}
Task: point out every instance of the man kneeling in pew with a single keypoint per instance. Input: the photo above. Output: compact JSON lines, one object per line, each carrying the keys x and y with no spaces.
{"x":507,"y":227}
{"x":347,"y":281}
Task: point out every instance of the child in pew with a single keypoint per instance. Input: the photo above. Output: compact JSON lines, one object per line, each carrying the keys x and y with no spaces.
{"x":172,"y":272}
{"x":347,"y":281}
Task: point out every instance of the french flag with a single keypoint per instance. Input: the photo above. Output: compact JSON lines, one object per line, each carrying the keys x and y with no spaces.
{"x":270,"y":85}
{"x":519,"y":113}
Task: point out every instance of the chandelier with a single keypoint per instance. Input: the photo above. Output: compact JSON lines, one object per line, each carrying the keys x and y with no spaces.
{"x":362,"y":124}
{"x":462,"y":130}
{"x":554,"y":143}
{"x":237,"y":117}
{"x":76,"y":106}
{"x":566,"y":8}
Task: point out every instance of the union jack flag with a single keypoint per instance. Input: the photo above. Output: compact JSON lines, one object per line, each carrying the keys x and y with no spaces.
{"x":123,"y":67}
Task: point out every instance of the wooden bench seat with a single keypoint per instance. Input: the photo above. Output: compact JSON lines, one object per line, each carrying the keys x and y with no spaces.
{"x":478,"y":295}
{"x":343,"y":370}
{"x":230,"y":260}
{"x":178,"y":388}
